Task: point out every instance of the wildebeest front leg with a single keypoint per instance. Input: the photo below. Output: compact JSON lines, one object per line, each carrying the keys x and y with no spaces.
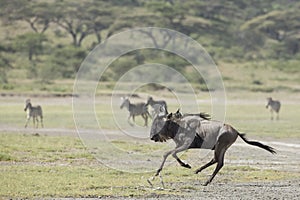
{"x":165,"y":156}
{"x":174,"y":154}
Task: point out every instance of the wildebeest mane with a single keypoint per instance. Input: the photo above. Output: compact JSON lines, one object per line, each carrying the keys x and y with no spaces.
{"x":179,"y":115}
{"x":202,"y":115}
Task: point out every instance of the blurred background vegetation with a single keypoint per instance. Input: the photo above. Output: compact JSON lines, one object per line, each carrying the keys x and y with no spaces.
{"x":45,"y":41}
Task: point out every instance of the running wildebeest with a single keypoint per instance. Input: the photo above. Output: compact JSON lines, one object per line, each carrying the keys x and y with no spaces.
{"x":156,"y":105}
{"x":135,"y":110}
{"x":35,"y":112}
{"x":197,"y":131}
{"x":274,"y":107}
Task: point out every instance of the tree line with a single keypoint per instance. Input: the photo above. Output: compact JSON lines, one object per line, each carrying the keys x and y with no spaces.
{"x":49,"y":38}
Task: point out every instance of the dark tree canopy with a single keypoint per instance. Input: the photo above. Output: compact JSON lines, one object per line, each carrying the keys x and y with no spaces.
{"x":231,"y":30}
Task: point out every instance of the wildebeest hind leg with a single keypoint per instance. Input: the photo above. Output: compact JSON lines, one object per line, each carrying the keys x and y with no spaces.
{"x":219,"y":157}
{"x":213,"y":161}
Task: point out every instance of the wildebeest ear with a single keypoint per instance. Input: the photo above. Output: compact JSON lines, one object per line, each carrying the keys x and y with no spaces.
{"x":169,"y":116}
{"x":178,"y":114}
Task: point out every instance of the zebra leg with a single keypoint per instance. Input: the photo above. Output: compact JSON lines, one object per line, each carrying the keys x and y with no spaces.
{"x":271,"y":114}
{"x":145,"y":117}
{"x":28,"y":119}
{"x":129,"y":120}
{"x":33,"y":119}
{"x":37,"y":122}
{"x":42,"y":125}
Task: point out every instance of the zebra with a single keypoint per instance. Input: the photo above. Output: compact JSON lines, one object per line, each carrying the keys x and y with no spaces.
{"x":156,"y":105}
{"x":135,"y":110}
{"x":274,"y":106}
{"x":35,"y":112}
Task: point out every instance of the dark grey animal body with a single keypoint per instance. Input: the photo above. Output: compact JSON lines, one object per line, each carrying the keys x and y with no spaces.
{"x":196,"y":131}
{"x":35,"y":112}
{"x":135,"y":110}
{"x":274,"y":107}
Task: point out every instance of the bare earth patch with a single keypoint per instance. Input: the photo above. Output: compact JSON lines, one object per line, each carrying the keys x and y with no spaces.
{"x":248,"y":173}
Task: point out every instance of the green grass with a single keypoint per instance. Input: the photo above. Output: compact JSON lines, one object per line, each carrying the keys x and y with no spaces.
{"x":53,"y":115}
{"x":52,"y":166}
{"x":248,"y":116}
{"x":41,"y":148}
{"x":255,"y":120}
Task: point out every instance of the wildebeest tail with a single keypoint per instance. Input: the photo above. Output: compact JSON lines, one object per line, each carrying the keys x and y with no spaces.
{"x":258,"y":144}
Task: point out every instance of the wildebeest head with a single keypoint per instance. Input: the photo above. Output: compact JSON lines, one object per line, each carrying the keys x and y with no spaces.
{"x":163,"y":128}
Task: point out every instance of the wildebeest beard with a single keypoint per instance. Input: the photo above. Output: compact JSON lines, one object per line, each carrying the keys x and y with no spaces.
{"x":168,"y":131}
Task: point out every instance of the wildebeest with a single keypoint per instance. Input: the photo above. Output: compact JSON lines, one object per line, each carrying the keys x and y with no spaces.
{"x":35,"y":112}
{"x":197,"y":131}
{"x":274,"y":107}
{"x":156,"y":105}
{"x":135,"y":110}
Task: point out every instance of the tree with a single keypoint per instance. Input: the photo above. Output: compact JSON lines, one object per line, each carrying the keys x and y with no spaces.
{"x":280,"y":27}
{"x":31,"y":43}
{"x":5,"y":62}
{"x":66,"y":60}
{"x":82,"y":20}
{"x":37,"y":14}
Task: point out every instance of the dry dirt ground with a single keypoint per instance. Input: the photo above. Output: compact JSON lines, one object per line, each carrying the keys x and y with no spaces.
{"x":287,"y":159}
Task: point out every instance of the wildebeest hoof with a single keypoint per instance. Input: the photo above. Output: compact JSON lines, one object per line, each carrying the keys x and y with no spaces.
{"x":206,"y":183}
{"x":186,"y":166}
